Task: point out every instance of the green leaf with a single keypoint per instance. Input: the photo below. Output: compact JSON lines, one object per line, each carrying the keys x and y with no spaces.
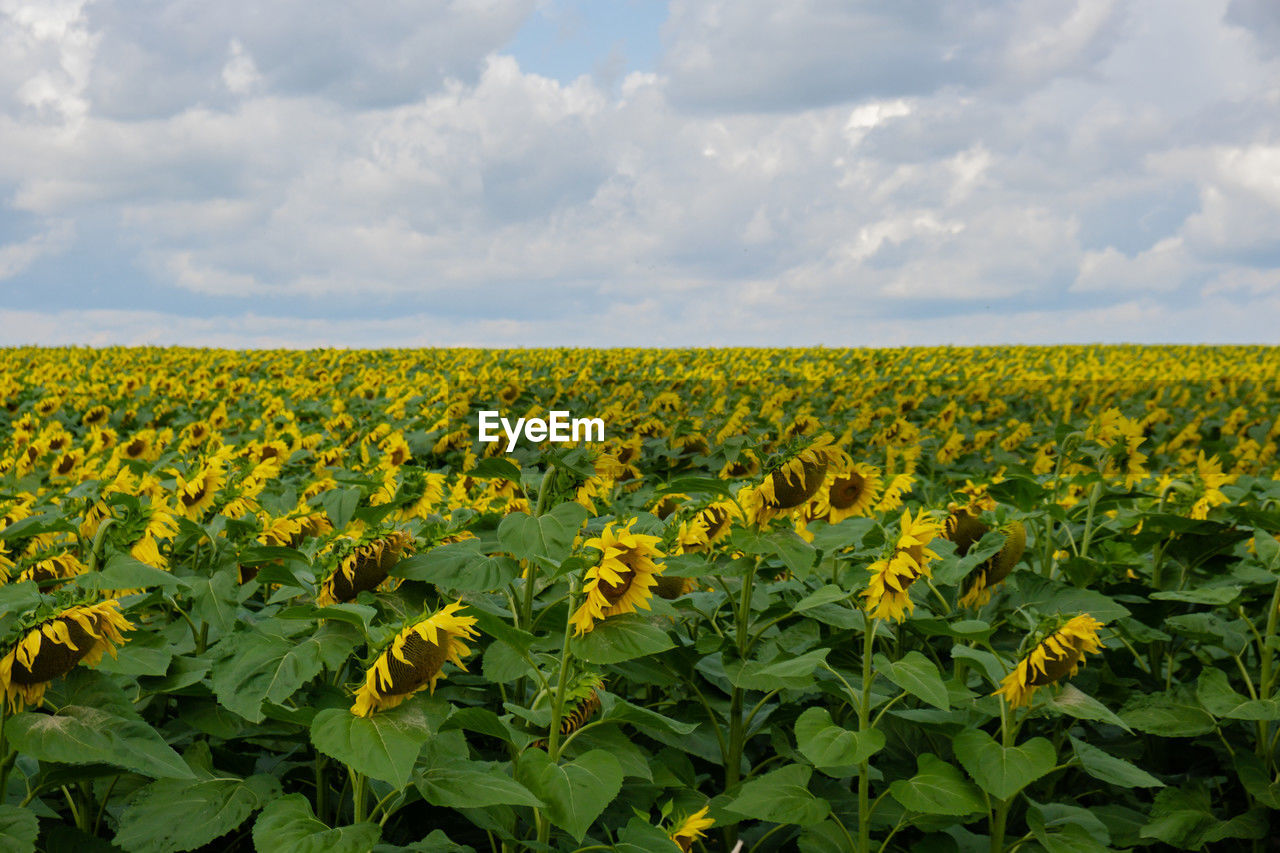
{"x":18,"y":829}
{"x":938,"y":788}
{"x":264,"y":663}
{"x":917,"y":675}
{"x":495,"y":467}
{"x":1268,"y":549}
{"x":1175,"y":714}
{"x":830,"y":746}
{"x":383,"y":746}
{"x":794,"y":672}
{"x":990,"y":664}
{"x":797,"y":554}
{"x":289,"y":824}
{"x":340,"y":505}
{"x":999,"y":770}
{"x":473,"y":784}
{"x":621,"y":711}
{"x":781,"y":796}
{"x":575,"y":792}
{"x":144,"y":654}
{"x":826,"y":595}
{"x":77,"y":734}
{"x":1102,"y":765}
{"x":214,"y":599}
{"x":1073,"y":702}
{"x":550,"y":535}
{"x":460,"y":566}
{"x":125,"y":572}
{"x":1214,"y":692}
{"x":175,"y":815}
{"x":1215,"y":595}
{"x":621,"y":638}
{"x":1256,"y":780}
{"x":1180,"y":817}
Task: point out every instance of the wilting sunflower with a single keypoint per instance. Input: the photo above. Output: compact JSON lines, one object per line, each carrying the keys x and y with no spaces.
{"x":848,"y":491}
{"x":691,"y":829}
{"x":52,"y":648}
{"x":581,"y":703}
{"x":1057,"y":657}
{"x":47,"y":569}
{"x":624,"y":578}
{"x":977,"y":585}
{"x":364,"y":567}
{"x":888,"y":595}
{"x":796,"y":480}
{"x":414,"y":659}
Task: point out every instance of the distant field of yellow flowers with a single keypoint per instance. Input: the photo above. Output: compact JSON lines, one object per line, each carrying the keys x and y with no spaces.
{"x":942,"y":599}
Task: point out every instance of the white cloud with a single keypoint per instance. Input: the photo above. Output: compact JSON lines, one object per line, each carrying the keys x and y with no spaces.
{"x":793,"y":171}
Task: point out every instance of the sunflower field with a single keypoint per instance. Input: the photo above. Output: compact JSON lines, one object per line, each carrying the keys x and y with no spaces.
{"x":982,"y":599}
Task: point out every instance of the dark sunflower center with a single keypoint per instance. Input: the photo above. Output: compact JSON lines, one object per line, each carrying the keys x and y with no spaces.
{"x":1057,"y":667}
{"x":191,"y":498}
{"x":795,"y":490}
{"x":425,"y":660}
{"x":715,"y":518}
{"x":135,"y":448}
{"x":54,"y":659}
{"x":613,"y":592}
{"x":846,"y":491}
{"x":65,"y":464}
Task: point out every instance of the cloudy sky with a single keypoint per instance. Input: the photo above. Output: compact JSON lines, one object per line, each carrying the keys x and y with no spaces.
{"x":691,"y":172}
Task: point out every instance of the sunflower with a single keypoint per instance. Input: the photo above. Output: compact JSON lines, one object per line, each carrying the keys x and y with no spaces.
{"x":977,"y":585}
{"x":691,"y":829}
{"x":1057,"y":657}
{"x":623,"y":580}
{"x":414,"y":659}
{"x":848,"y":491}
{"x":581,"y":703}
{"x":51,"y":648}
{"x":196,"y":495}
{"x":888,"y":594}
{"x":364,"y":567}
{"x":797,"y":479}
{"x":53,"y":567}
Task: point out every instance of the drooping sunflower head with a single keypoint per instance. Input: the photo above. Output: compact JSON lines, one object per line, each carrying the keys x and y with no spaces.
{"x":48,"y":570}
{"x":414,"y":659}
{"x":848,"y":491}
{"x":362,"y":566}
{"x":691,"y":829}
{"x":888,"y":594}
{"x":623,"y":580}
{"x":978,"y":584}
{"x":1054,"y":658}
{"x":195,"y":495}
{"x":799,"y":476}
{"x":53,"y":645}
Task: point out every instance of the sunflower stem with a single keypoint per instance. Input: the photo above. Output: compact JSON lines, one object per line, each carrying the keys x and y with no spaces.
{"x":96,"y":548}
{"x":557,"y":703}
{"x":1265,"y":685}
{"x":544,"y":491}
{"x":1094,"y":494}
{"x":864,"y":725}
{"x":737,"y":725}
{"x":1001,"y":814}
{"x":358,"y":804}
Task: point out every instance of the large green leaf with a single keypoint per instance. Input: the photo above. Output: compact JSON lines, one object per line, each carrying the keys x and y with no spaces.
{"x":18,"y":829}
{"x":1073,"y":702}
{"x":937,"y":788}
{"x":549,"y":535}
{"x":575,"y":792}
{"x":179,"y":814}
{"x":622,"y":638}
{"x":917,"y":675}
{"x":1174,"y":714}
{"x":383,"y":746}
{"x":214,"y":598}
{"x":461,"y":566}
{"x":830,"y":746}
{"x":781,"y":796}
{"x":1003,"y":771}
{"x":1214,"y":691}
{"x":794,"y":672}
{"x":473,"y":784}
{"x":289,"y":824}
{"x":263,"y":664}
{"x":1102,"y":765}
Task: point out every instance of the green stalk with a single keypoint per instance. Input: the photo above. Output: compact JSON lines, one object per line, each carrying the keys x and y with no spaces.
{"x":1265,"y":686}
{"x":1001,"y":816}
{"x":1094,"y":494}
{"x":544,"y":491}
{"x":557,"y":702}
{"x":737,"y":725}
{"x":358,"y":803}
{"x":864,"y":724}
